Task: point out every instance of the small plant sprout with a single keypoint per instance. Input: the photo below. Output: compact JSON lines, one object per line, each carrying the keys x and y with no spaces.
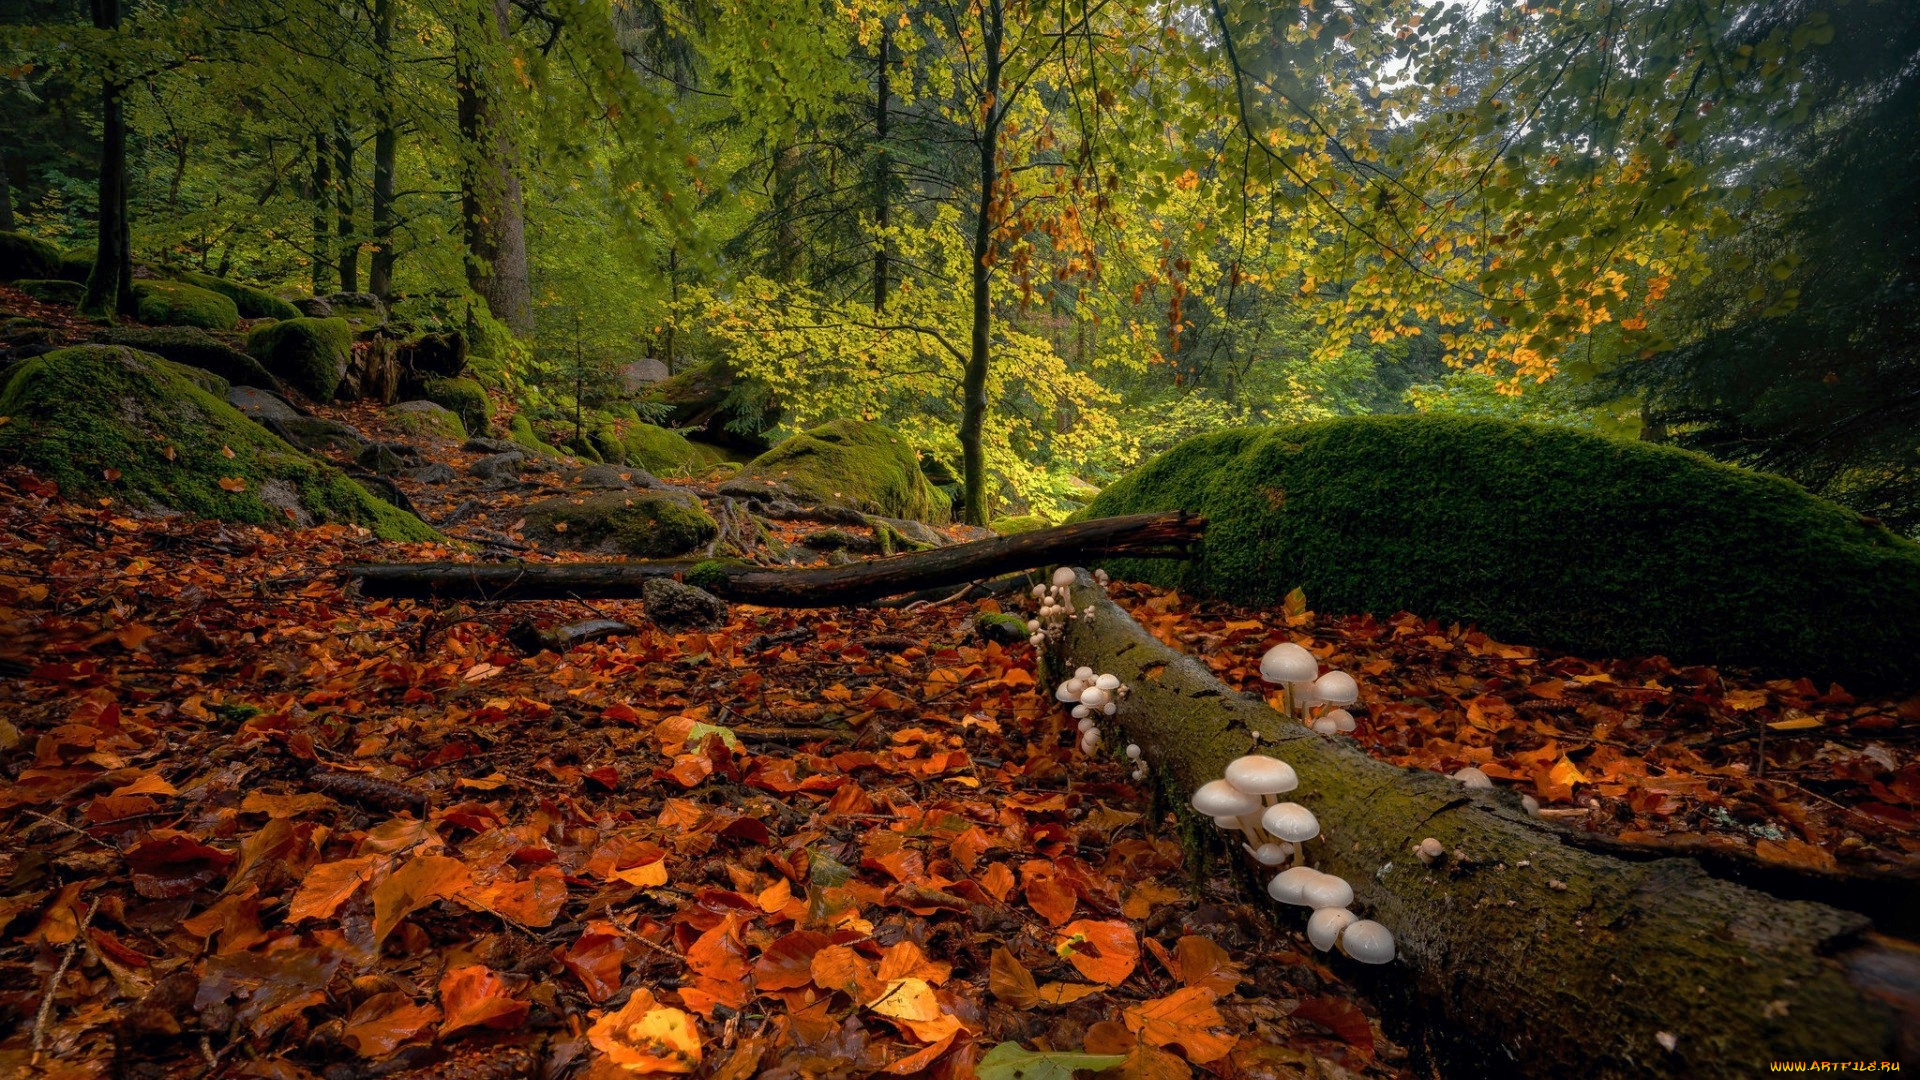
{"x":1291,"y":822}
{"x":1218,"y":799}
{"x":1473,"y":778}
{"x":1272,"y":854}
{"x":1324,"y":928}
{"x":1293,"y":668}
{"x":1429,"y":850}
{"x":1368,"y":942}
{"x":1289,"y":886}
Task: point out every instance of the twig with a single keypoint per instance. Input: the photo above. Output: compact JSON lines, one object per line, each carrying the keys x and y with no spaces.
{"x":53,"y":984}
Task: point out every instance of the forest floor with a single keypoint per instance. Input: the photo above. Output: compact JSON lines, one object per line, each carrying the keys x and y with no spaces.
{"x":253,"y":825}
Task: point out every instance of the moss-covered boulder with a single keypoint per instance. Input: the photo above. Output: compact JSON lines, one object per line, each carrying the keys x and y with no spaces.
{"x":359,"y":308}
{"x":639,"y":523}
{"x":252,"y":303}
{"x":465,"y":398}
{"x":520,"y":432}
{"x":194,"y":347}
{"x":53,"y":290}
{"x":723,"y":407}
{"x":659,"y":450}
{"x":76,"y":264}
{"x":1014,"y":526}
{"x":176,"y":303}
{"x":24,"y":256}
{"x":427,"y":418}
{"x":87,"y":412}
{"x":852,"y":463}
{"x":1542,"y":536}
{"x":309,"y":355}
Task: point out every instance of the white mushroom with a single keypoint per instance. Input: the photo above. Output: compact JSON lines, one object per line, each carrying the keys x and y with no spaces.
{"x":1290,"y":821}
{"x":1288,"y":663}
{"x":1217,"y":799}
{"x":1108,"y":683}
{"x":1289,"y":885}
{"x":1342,"y":720}
{"x":1037,"y":640}
{"x":1110,"y":708}
{"x":1429,"y":849}
{"x":1327,"y":890}
{"x":1336,"y":688}
{"x":1093,"y":697}
{"x":1084,"y":674}
{"x":1272,"y":854}
{"x":1324,"y":928}
{"x":1133,"y":752}
{"x":1063,"y":576}
{"x":1368,"y":942}
{"x":1081,"y":712}
{"x":1473,"y":778}
{"x":1258,"y":774}
{"x":1326,"y":726}
{"x":1224,"y":822}
{"x":1531,"y":805}
{"x":1068,"y":691}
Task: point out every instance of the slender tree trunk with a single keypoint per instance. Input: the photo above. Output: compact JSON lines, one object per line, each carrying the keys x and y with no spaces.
{"x":349,"y":245}
{"x":786,"y":228}
{"x":883,"y":173}
{"x":6,"y":197}
{"x":380,"y":266}
{"x":323,"y":267}
{"x":110,"y":284}
{"x":973,"y":406}
{"x":673,"y":294}
{"x":490,"y":188}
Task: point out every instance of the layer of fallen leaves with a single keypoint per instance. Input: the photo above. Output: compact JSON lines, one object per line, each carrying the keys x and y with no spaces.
{"x":1782,"y":770}
{"x":257,"y":827}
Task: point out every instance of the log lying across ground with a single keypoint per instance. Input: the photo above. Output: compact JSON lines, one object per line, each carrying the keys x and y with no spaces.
{"x":1136,"y":536}
{"x":1531,"y":957}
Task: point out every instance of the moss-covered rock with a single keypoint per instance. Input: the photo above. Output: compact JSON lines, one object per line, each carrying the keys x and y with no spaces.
{"x":659,"y":450}
{"x":1014,"y":526}
{"x":465,"y":398}
{"x":309,"y":355}
{"x":1543,"y":536}
{"x":853,"y":463}
{"x":427,"y":418}
{"x":358,"y":308}
{"x":80,"y":412}
{"x":176,"y":303}
{"x":726,"y":409}
{"x":520,"y":431}
{"x":194,"y":347}
{"x":639,"y":523}
{"x":1000,"y":627}
{"x":252,"y":303}
{"x":76,"y":264}
{"x":24,"y":256}
{"x":53,"y":290}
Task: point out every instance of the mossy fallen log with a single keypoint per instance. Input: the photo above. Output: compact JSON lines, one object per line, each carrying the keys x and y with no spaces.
{"x":1528,"y":956}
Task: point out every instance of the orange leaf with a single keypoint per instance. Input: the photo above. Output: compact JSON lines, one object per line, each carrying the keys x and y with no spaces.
{"x":787,"y":964}
{"x":645,"y":1037}
{"x":476,"y":996}
{"x":595,"y":958}
{"x":412,"y":887}
{"x":535,"y":902}
{"x":1048,"y":892}
{"x":1010,"y":981}
{"x":998,"y":881}
{"x":384,"y":1022}
{"x":1184,"y":1018}
{"x":905,"y":960}
{"x":1199,"y":962}
{"x":1796,"y":853}
{"x":717,"y":955}
{"x":233,"y":483}
{"x":1102,"y":951}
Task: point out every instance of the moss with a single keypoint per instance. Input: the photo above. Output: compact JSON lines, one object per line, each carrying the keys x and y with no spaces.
{"x":727,"y":409}
{"x":520,"y":432}
{"x":628,"y":522}
{"x":853,"y":463}
{"x":998,"y":626}
{"x":710,"y":574}
{"x":82,"y":411}
{"x":464,"y":397}
{"x":175,"y":303}
{"x":309,"y":355}
{"x":24,"y":256}
{"x":438,"y":421}
{"x":76,"y":264}
{"x":1014,"y":526}
{"x":658,"y":450}
{"x":53,"y":290}
{"x":1539,"y":535}
{"x":252,"y":303}
{"x":195,"y":347}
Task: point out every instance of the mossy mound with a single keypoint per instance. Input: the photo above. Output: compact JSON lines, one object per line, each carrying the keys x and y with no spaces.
{"x":853,"y":463}
{"x":427,"y":418}
{"x":252,"y":303}
{"x":53,"y":290}
{"x":1542,"y":536}
{"x":194,"y":347}
{"x":639,"y":523}
{"x":520,"y":432}
{"x":76,"y":264}
{"x":24,"y":256}
{"x":82,"y":411}
{"x":724,"y":408}
{"x":464,"y":397}
{"x":658,"y":450}
{"x":310,"y":355}
{"x":175,"y":303}
{"x":1014,"y":526}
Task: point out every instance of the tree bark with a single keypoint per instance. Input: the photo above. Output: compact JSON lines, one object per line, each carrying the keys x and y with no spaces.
{"x":1135,"y":536}
{"x":323,"y":267}
{"x":6,"y":197}
{"x":490,"y":205}
{"x":385,"y":143}
{"x":349,"y":244}
{"x":883,"y":172}
{"x":973,"y":388}
{"x":1527,"y":957}
{"x":786,"y":226}
{"x":110,"y":283}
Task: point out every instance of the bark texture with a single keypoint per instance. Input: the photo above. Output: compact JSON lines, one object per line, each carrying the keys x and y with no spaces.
{"x":1529,"y":957}
{"x":490,"y":207}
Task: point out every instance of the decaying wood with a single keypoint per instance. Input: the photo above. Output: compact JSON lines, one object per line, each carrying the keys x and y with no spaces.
{"x":1136,"y":536}
{"x":1531,"y":956}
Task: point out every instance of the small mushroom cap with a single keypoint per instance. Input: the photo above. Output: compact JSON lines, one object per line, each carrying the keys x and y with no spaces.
{"x":1110,"y":708}
{"x":1258,"y":774}
{"x":1133,"y":752}
{"x":1342,"y":720}
{"x":1217,"y":798}
{"x":1037,"y":640}
{"x":1326,"y":891}
{"x":1033,"y":624}
{"x":1084,"y":674}
{"x":1272,"y":854}
{"x":1063,"y":576}
{"x":1039,"y":591}
{"x":1086,"y":724}
{"x":1288,"y":663}
{"x":1531,"y":805}
{"x":1430,"y":849}
{"x":1324,"y":928}
{"x":1108,"y":682}
{"x":1289,"y":885}
{"x":1473,"y":778}
{"x":1068,"y":691}
{"x":1290,"y":821}
{"x":1094,"y":697}
{"x":1081,"y":712}
{"x":1224,"y":822}
{"x":1325,"y":726}
{"x":1336,"y":688}
{"x":1368,"y":942}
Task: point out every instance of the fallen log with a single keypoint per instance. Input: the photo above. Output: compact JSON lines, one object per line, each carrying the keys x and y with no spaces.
{"x":1529,"y":957}
{"x":1168,"y":535}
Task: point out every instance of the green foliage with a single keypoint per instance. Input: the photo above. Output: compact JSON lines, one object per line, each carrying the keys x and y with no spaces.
{"x":83,"y":412}
{"x":195,"y":348}
{"x":998,"y":626}
{"x":25,"y":256}
{"x":76,"y":264}
{"x":642,"y":524}
{"x":466,"y":399}
{"x":173,"y":303}
{"x":309,"y":355}
{"x":53,"y":290}
{"x":252,"y":303}
{"x":1008,"y":1061}
{"x":852,"y":463}
{"x":1541,"y":535}
{"x":660,"y":451}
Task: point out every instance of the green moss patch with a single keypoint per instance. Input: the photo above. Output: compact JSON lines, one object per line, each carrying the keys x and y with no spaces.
{"x":464,"y":397}
{"x":192,"y":346}
{"x":252,"y":303}
{"x":24,"y":256}
{"x":659,"y":450}
{"x":427,"y":418}
{"x":175,"y":303}
{"x":78,"y":413}
{"x":1539,"y":535}
{"x":309,"y":355}
{"x":520,"y":432}
{"x":636,"y":523}
{"x":53,"y":290}
{"x":76,"y":264}
{"x":854,"y":463}
{"x":1014,"y":526}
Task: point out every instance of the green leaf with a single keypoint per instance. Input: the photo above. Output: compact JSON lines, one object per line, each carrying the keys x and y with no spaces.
{"x":1009,"y":1062}
{"x":697,"y":735}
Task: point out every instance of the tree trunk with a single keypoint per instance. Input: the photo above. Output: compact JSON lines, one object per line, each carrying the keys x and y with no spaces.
{"x":883,"y":172}
{"x":786,"y":226}
{"x":490,"y":206}
{"x":6,"y":197}
{"x":380,"y":266}
{"x":973,"y":388}
{"x":323,"y":267}
{"x":110,"y":283}
{"x":1527,"y":956}
{"x":349,"y":246}
{"x":1136,"y":536}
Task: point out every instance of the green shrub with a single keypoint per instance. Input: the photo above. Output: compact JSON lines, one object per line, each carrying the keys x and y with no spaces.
{"x":252,"y":303}
{"x":1543,"y":536}
{"x":164,"y":432}
{"x":53,"y":290}
{"x":854,"y":463}
{"x":175,"y":303}
{"x":309,"y":355}
{"x":24,"y":256}
{"x":466,"y":398}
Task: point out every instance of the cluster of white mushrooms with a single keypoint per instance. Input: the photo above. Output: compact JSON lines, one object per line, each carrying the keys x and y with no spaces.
{"x":1244,"y":799}
{"x":1056,"y":606}
{"x":1319,"y":701}
{"x":1092,"y":696}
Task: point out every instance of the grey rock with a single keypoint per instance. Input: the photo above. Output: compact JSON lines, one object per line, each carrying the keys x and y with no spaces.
{"x":478,"y":445}
{"x":610,"y":478}
{"x":312,"y":433}
{"x":672,"y":605}
{"x":918,"y":531}
{"x":388,"y":458}
{"x":314,"y":307}
{"x":260,"y":404}
{"x":435,"y":473}
{"x":427,"y":407}
{"x":505,"y":464}
{"x":637,"y":375}
{"x":359,"y":307}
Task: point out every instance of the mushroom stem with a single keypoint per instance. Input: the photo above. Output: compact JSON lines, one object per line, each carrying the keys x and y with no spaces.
{"x":1249,"y":824}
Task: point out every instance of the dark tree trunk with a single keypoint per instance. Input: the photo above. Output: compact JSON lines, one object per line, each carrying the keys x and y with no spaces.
{"x":973,"y":406}
{"x":786,"y":226}
{"x":490,"y":205}
{"x":349,"y":244}
{"x":323,"y":267}
{"x":6,"y":197}
{"x":110,"y":284}
{"x":883,"y":171}
{"x":380,"y":266}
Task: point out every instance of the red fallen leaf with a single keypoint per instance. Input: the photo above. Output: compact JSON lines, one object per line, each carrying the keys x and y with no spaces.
{"x":476,"y":996}
{"x":115,"y":949}
{"x":690,"y":769}
{"x":168,"y":864}
{"x":534,"y":902}
{"x":788,"y":963}
{"x":718,"y":954}
{"x":1340,"y":1016}
{"x":595,"y":958}
{"x":384,"y":1022}
{"x":606,"y":776}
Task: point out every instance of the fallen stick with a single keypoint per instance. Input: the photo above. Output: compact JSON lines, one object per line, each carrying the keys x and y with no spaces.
{"x":1167,"y":535}
{"x":45,"y":1011}
{"x":1531,"y":957}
